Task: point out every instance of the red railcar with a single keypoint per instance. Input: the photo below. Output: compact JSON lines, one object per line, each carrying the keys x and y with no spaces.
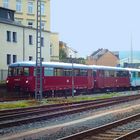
{"x":110,"y":78}
{"x":56,"y":77}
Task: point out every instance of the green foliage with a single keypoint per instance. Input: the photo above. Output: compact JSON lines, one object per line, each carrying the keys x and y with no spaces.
{"x":62,"y":55}
{"x":81,"y":60}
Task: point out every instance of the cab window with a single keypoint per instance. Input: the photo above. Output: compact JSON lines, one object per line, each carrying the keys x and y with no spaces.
{"x":26,"y":71}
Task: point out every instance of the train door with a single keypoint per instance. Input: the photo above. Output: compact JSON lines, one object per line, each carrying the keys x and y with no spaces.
{"x":100,"y":79}
{"x":90,"y":80}
{"x":94,"y":74}
{"x":133,"y":79}
{"x":137,"y":79}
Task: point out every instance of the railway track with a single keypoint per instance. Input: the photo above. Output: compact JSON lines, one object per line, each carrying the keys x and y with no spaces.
{"x":14,"y":96}
{"x":10,"y":118}
{"x":124,"y":129}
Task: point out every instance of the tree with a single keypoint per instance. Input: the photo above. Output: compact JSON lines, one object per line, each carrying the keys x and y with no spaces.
{"x":62,"y":55}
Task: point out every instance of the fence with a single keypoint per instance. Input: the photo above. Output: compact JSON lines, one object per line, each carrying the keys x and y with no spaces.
{"x":3,"y":75}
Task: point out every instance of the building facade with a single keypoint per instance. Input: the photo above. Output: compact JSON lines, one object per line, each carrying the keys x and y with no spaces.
{"x":54,"y":49}
{"x":18,"y":42}
{"x":26,"y":11}
{"x":25,"y":14}
{"x":103,"y":57}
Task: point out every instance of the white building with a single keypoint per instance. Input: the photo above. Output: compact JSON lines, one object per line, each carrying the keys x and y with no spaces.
{"x":18,"y":42}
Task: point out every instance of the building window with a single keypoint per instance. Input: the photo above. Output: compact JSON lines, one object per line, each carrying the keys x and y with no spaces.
{"x":9,"y":36}
{"x":42,"y":41}
{"x":14,"y":58}
{"x":30,"y":24}
{"x":42,"y":9}
{"x":8,"y":59}
{"x":18,"y":6}
{"x":30,"y":39}
{"x":5,"y":3}
{"x":42,"y":25}
{"x":42,"y":59}
{"x":30,"y":7}
{"x":30,"y":58}
{"x":14,"y":37}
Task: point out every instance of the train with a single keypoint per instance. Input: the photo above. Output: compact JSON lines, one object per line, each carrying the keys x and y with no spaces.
{"x":60,"y":78}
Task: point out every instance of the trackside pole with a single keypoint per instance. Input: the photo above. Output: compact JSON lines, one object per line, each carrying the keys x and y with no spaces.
{"x":38,"y":80}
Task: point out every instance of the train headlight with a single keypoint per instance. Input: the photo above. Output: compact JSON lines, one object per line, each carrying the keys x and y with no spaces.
{"x":7,"y":81}
{"x":27,"y":82}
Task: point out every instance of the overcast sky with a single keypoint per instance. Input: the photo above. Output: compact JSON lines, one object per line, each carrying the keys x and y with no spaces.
{"x":87,"y":25}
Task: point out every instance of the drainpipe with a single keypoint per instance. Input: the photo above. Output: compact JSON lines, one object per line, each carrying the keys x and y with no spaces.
{"x":23,"y":43}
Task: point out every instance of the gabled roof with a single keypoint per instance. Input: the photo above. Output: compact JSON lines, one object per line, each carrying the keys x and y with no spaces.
{"x":100,"y":52}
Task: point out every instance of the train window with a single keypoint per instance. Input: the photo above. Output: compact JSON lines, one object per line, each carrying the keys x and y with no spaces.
{"x":138,"y":74}
{"x":58,"y":72}
{"x":118,"y":74}
{"x":83,"y":73}
{"x":77,"y":72}
{"x":19,"y":71}
{"x":122,"y":74}
{"x":134,"y":74}
{"x":11,"y":71}
{"x":106,"y":73}
{"x":94,"y":73}
{"x":115,"y":73}
{"x":38,"y":71}
{"x":26,"y":71}
{"x":48,"y":71}
{"x":101,"y":73}
{"x":125,"y":74}
{"x":111,"y":73}
{"x":67,"y":72}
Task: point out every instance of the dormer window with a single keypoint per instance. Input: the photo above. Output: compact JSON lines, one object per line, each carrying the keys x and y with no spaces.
{"x":8,"y":15}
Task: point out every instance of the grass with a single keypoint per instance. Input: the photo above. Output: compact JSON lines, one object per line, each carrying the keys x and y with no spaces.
{"x":18,"y":104}
{"x":29,"y":103}
{"x":2,"y":82}
{"x":81,"y":98}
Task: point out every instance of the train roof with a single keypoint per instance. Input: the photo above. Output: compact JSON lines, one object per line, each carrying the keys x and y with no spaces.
{"x":107,"y":68}
{"x":69,"y":65}
{"x":49,"y":64}
{"x":133,"y":69}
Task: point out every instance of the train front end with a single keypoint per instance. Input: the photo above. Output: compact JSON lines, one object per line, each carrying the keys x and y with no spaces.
{"x":20,"y":78}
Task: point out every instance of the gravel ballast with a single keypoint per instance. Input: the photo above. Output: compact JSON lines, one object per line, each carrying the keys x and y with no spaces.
{"x":71,"y":128}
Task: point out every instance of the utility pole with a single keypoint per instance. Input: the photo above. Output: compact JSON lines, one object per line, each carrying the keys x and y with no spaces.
{"x":72,"y":78}
{"x":131,"y":49}
{"x":38,"y":82}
